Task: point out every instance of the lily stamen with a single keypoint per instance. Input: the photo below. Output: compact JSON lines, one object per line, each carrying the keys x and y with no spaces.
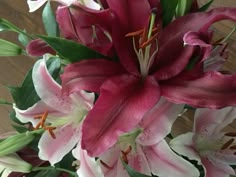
{"x":231,"y":134}
{"x":41,"y":124}
{"x":50,"y":131}
{"x":125,"y":153}
{"x":105,"y":165}
{"x":227,"y":144}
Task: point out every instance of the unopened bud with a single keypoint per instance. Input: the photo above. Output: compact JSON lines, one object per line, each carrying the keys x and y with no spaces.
{"x":16,"y":142}
{"x":13,"y":162}
{"x":9,"y":49}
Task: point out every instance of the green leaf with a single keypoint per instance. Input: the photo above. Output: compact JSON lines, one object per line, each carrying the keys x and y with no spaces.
{"x":70,"y":50}
{"x":49,"y":21}
{"x":183,"y":7}
{"x":168,"y":10}
{"x":13,"y":117}
{"x":26,"y":96}
{"x":24,"y":39}
{"x":132,"y":172}
{"x":48,"y":173}
{"x":205,"y":6}
{"x":8,"y":26}
{"x":20,"y":129}
{"x":9,"y":49}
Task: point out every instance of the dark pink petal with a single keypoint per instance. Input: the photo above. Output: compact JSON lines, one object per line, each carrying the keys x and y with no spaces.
{"x":169,"y":64}
{"x":130,"y":16}
{"x":38,"y":47}
{"x":86,"y":26}
{"x":121,"y":105}
{"x":212,"y":90}
{"x":157,"y":123}
{"x":89,"y":74}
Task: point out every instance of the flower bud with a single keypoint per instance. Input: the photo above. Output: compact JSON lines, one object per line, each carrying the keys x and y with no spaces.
{"x":9,"y":49}
{"x":16,"y":142}
{"x":13,"y":162}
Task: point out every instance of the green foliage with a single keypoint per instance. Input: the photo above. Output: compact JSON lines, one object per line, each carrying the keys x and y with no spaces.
{"x":49,"y":21}
{"x":70,"y":50}
{"x":132,"y":172}
{"x":168,"y":10}
{"x":205,"y":6}
{"x":8,"y":26}
{"x":183,"y":7}
{"x":26,"y":96}
{"x":9,"y":49}
{"x":23,"y":39}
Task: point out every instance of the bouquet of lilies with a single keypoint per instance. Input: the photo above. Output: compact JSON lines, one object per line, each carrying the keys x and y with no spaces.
{"x":110,"y":79}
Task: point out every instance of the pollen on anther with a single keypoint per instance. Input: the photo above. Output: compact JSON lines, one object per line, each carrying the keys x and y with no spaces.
{"x":227,"y":144}
{"x":231,"y":134}
{"x":105,"y":165}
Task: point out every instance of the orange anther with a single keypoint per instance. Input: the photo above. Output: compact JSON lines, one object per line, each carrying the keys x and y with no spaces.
{"x":105,"y":165}
{"x":50,"y":131}
{"x":231,"y":134}
{"x":227,"y":144}
{"x":149,"y":41}
{"x":233,"y":147}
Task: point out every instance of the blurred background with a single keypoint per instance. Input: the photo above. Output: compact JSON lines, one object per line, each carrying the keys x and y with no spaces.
{"x":13,"y":69}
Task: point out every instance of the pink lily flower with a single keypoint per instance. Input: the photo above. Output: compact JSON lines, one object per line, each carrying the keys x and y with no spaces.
{"x":88,"y":166}
{"x":149,"y":70}
{"x":61,"y":115}
{"x":208,"y":144}
{"x":36,"y":4}
{"x":146,"y":151}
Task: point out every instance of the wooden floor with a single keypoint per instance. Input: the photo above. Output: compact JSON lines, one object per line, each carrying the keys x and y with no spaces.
{"x":13,"y":69}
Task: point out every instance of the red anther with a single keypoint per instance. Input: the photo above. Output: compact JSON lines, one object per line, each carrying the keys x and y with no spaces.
{"x":223,"y":49}
{"x":227,"y":144}
{"x":233,"y":147}
{"x":125,"y":153}
{"x":125,"y":158}
{"x":231,"y":134}
{"x":105,"y":165}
